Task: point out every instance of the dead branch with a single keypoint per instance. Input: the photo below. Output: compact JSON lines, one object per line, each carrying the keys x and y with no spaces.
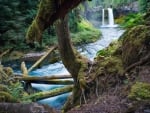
{"x":24,"y":69}
{"x":42,"y":58}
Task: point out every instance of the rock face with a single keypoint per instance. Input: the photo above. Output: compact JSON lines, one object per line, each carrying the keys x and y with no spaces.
{"x":136,"y":44}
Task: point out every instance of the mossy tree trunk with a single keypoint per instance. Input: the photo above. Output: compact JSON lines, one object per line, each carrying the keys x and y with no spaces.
{"x":76,"y":64}
{"x":48,"y":12}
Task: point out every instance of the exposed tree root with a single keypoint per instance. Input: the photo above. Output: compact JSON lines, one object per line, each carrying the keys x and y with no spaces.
{"x":142,"y":61}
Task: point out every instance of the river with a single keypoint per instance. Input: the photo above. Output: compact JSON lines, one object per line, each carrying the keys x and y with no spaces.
{"x":89,"y":50}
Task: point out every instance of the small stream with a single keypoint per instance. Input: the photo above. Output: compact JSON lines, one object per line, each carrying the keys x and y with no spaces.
{"x":89,"y":50}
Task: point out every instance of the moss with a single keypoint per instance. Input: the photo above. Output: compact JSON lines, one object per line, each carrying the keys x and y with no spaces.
{"x":6,"y":97}
{"x":46,"y":9}
{"x":3,"y":88}
{"x":87,"y":33}
{"x":135,"y":44}
{"x":112,"y":49}
{"x":140,"y":91}
{"x":8,"y":71}
{"x":112,"y":65}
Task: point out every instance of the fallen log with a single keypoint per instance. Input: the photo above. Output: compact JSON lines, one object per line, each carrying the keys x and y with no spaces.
{"x":25,"y":108}
{"x":41,"y":59}
{"x":21,"y":77}
{"x":51,"y":93}
{"x":53,"y":81}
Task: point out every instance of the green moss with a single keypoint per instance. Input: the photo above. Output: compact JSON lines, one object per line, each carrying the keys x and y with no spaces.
{"x":87,"y":33}
{"x":6,"y":97}
{"x":112,"y":49}
{"x":34,"y":33}
{"x":140,"y":91}
{"x":8,"y":71}
{"x":3,"y":88}
{"x":134,"y":41}
{"x":130,"y":20}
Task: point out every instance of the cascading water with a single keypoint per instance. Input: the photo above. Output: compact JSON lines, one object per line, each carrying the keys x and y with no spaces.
{"x":110,"y":17}
{"x":103,"y":17}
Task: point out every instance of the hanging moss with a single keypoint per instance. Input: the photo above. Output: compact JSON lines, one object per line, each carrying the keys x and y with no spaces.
{"x":140,"y":91}
{"x":46,"y":9}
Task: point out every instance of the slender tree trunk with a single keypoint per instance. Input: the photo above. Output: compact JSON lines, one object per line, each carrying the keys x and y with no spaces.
{"x":73,"y":61}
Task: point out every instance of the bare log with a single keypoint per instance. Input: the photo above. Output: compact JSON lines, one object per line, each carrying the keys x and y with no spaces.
{"x":41,"y":59}
{"x":52,"y":93}
{"x":24,"y":69}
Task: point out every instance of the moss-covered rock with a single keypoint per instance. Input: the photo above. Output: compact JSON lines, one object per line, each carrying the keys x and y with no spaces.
{"x":110,"y":65}
{"x":135,"y":44}
{"x":114,"y":48}
{"x":140,"y":91}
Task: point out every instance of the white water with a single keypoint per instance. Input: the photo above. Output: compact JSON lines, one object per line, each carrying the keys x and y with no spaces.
{"x":103,"y":17}
{"x":110,"y":17}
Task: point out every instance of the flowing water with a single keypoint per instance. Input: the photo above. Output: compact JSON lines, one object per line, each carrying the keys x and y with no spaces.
{"x":89,"y":50}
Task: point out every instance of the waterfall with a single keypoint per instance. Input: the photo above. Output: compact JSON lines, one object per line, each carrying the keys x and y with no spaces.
{"x":103,"y":17}
{"x":110,"y":17}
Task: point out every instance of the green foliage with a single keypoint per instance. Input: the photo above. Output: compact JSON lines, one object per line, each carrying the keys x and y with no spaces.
{"x":110,"y":50}
{"x":15,"y":17}
{"x":131,"y":20}
{"x":86,"y":33}
{"x":144,"y":5}
{"x":74,"y":19}
{"x":140,"y":91}
{"x":16,"y":90}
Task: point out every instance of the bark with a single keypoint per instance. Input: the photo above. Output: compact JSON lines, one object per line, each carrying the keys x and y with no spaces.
{"x":76,"y":64}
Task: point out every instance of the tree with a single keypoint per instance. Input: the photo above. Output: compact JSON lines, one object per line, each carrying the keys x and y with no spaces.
{"x":144,"y":5}
{"x":77,"y":65}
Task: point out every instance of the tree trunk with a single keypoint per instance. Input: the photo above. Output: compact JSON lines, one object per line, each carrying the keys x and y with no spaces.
{"x":76,"y":64}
